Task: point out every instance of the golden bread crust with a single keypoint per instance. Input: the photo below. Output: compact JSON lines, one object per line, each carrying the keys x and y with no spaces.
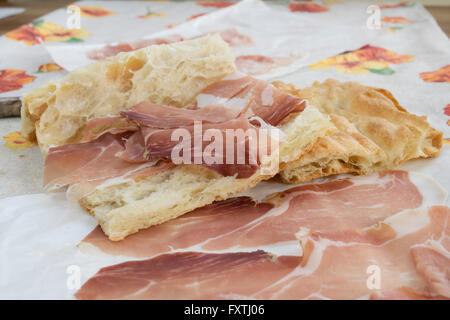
{"x":377,"y":133}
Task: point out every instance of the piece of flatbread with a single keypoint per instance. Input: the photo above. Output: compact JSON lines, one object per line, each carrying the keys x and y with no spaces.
{"x":374,"y":132}
{"x":164,"y":74}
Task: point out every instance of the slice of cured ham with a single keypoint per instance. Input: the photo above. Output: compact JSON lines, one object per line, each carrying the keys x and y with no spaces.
{"x":191,"y":274}
{"x":335,"y":265}
{"x":91,"y":161}
{"x":213,"y":136}
{"x":256,"y":97}
{"x":165,"y":117}
{"x":357,"y":263}
{"x":240,"y":223}
{"x":223,"y":157}
{"x":432,"y":261}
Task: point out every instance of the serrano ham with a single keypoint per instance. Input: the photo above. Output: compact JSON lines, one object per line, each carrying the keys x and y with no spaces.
{"x":261,"y":98}
{"x":190,"y":274}
{"x":364,"y":260}
{"x":91,"y":161}
{"x":236,"y":143}
{"x":334,"y":265}
{"x":223,"y":158}
{"x":165,"y":117}
{"x":242,"y":223}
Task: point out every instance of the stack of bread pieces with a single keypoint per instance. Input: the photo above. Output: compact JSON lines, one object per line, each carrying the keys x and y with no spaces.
{"x":326,"y":129}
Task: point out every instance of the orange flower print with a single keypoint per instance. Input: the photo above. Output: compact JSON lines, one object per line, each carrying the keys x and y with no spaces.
{"x":447,"y":110}
{"x":42,"y":31}
{"x":397,"y":5}
{"x":49,"y":67}
{"x":12,"y":79}
{"x":441,"y":75}
{"x":393,"y":29}
{"x":307,"y":7}
{"x":447,"y":113}
{"x":215,"y":4}
{"x":447,"y":140}
{"x":16,"y":141}
{"x":397,"y":20}
{"x":195,"y":16}
{"x":364,"y":60}
{"x":94,"y":12}
{"x":151,"y":14}
{"x":27,"y":33}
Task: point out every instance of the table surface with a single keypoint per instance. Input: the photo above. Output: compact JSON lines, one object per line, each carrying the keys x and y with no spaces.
{"x":35,"y":9}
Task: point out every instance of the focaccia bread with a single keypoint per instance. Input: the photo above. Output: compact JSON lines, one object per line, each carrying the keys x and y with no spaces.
{"x":172,"y":75}
{"x":374,"y":132}
{"x":165,"y":74}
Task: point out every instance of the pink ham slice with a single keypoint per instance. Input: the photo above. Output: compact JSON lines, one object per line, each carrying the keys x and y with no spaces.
{"x":335,"y":263}
{"x":242,"y":223}
{"x":434,"y":265}
{"x":263,"y":99}
{"x":165,"y":117}
{"x":191,"y":275}
{"x":334,"y":266}
{"x":189,"y":230}
{"x":90,"y":161}
{"x":160,"y":123}
{"x":151,"y":143}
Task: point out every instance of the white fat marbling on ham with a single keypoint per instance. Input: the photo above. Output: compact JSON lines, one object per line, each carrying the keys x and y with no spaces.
{"x":205,"y":100}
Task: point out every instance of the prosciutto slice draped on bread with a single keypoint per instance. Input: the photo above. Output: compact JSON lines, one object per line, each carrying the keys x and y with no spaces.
{"x":113,"y":132}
